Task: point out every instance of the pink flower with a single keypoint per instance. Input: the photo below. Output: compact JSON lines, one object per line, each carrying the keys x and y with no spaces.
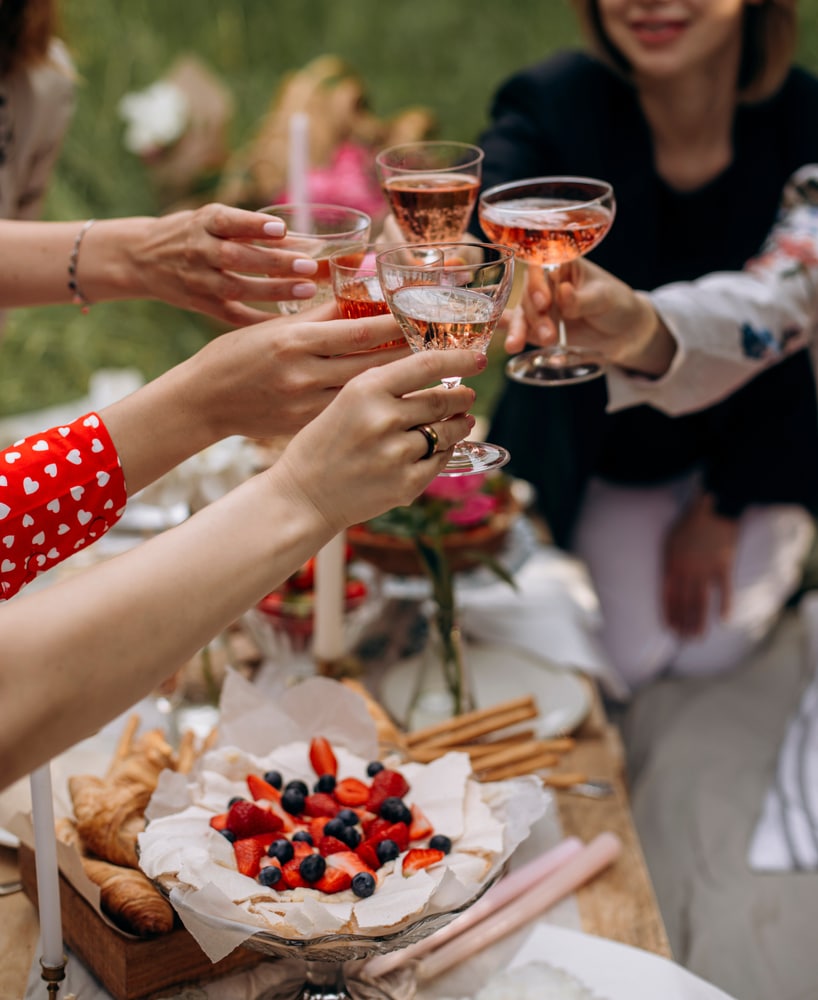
{"x":454,"y":487}
{"x":348,"y":180}
{"x":473,"y":510}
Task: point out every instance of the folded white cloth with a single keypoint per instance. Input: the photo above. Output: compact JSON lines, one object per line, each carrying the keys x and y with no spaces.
{"x":786,"y":836}
{"x":553,"y":613}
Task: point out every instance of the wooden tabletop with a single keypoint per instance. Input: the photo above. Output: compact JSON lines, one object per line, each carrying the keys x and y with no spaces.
{"x":619,"y":904}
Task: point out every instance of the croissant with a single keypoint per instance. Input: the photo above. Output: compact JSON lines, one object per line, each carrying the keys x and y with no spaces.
{"x":110,"y":810}
{"x":129,"y":898}
{"x":109,"y":817}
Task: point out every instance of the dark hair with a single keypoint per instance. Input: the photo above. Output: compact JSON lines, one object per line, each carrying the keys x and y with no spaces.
{"x":26,"y":29}
{"x":770,"y":35}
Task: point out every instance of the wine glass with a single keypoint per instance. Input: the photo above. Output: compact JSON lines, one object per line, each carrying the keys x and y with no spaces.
{"x":453,"y":300}
{"x":317,"y":231}
{"x":431,"y":187}
{"x":550,"y":221}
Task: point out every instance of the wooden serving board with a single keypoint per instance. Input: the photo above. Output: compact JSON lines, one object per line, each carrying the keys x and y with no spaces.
{"x":131,"y":968}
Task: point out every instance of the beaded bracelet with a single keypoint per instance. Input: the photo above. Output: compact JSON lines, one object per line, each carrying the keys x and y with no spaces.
{"x":78,"y":297}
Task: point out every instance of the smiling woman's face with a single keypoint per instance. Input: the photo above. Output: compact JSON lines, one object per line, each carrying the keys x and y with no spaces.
{"x":662,"y":39}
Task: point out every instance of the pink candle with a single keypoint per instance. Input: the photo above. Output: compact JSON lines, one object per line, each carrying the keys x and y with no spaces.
{"x":328,"y":626}
{"x":508,"y":888}
{"x":539,"y":897}
{"x":48,"y":877}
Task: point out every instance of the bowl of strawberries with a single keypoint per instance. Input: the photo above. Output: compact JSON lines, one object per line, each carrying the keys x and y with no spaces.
{"x":283,"y":620}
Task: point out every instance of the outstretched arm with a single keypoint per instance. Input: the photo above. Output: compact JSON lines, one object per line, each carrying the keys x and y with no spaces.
{"x":212,"y":260}
{"x":63,"y":489}
{"x":697,"y":342}
{"x":76,"y":654}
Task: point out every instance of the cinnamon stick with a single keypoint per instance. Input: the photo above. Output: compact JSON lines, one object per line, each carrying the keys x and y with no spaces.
{"x":564,"y":779}
{"x":450,"y":730}
{"x":514,"y":770}
{"x":476,"y":751}
{"x":520,"y":754}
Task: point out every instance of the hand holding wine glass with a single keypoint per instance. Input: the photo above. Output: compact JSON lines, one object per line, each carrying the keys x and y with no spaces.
{"x":551,"y":221}
{"x":443,"y":299}
{"x":317,"y":231}
{"x":431,"y":187}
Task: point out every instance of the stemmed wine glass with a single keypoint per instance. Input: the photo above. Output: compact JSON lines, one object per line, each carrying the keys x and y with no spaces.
{"x":452,"y":300}
{"x":317,"y":231}
{"x":550,"y":221}
{"x":431,"y":187}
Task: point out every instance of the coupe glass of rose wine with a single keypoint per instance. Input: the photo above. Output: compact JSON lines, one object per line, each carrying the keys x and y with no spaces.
{"x":550,"y":221}
{"x":317,"y":231}
{"x":431,"y":187}
{"x":453,"y":300}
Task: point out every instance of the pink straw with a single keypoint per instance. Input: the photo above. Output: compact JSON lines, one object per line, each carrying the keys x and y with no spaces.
{"x":507,"y":889}
{"x":576,"y":871}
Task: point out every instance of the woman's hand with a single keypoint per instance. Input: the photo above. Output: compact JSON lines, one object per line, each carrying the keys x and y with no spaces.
{"x":600,"y":312}
{"x":265,"y":380}
{"x":364,"y":453}
{"x":274,"y":377}
{"x":210,"y":260}
{"x":700,"y":552}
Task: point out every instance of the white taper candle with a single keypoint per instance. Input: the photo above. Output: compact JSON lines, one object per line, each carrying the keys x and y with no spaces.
{"x":48,"y":876}
{"x":298,"y":167}
{"x":328,"y":625}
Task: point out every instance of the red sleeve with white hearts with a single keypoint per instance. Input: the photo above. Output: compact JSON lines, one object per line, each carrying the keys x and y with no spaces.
{"x":59,"y":491}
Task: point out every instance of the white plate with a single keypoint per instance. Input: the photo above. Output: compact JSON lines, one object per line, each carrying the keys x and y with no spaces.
{"x":615,"y":971}
{"x":500,"y":673}
{"x":607,"y":969}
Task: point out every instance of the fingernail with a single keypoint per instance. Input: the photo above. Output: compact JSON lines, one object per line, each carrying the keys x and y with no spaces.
{"x":481,"y":360}
{"x":471,"y":420}
{"x":304,"y":290}
{"x":539,"y":300}
{"x":274,"y":228}
{"x":305,"y":265}
{"x":543,"y":332}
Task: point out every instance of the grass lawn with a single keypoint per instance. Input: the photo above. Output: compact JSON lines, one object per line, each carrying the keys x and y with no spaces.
{"x":448,"y":55}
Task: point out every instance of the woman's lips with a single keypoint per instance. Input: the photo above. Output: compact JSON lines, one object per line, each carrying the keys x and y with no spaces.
{"x":656,"y":33}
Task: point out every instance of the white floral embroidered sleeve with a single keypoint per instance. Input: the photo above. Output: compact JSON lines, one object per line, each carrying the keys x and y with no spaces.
{"x":729,"y":326}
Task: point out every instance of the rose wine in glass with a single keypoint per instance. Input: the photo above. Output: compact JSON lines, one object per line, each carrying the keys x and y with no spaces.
{"x":431,"y":187}
{"x":550,"y":221}
{"x":453,"y":300}
{"x":356,"y":285}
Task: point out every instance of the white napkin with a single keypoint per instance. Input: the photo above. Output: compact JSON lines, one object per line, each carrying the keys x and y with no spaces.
{"x":786,"y":836}
{"x":554,"y":613}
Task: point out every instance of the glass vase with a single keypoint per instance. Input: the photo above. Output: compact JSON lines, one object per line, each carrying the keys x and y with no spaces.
{"x":443,"y":686}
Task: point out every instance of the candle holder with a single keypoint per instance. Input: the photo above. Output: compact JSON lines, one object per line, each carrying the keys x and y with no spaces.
{"x":53,"y":975}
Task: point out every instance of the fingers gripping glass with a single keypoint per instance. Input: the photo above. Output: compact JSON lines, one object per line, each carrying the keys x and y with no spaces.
{"x":447,"y":296}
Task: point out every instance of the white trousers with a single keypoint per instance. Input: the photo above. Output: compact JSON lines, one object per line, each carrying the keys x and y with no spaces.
{"x":620,"y":536}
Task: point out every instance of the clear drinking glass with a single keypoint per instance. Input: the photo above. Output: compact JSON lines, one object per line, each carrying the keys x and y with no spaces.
{"x":431,"y":187}
{"x":550,"y":221}
{"x":452,"y":300}
{"x":317,"y":231}
{"x":356,"y":285}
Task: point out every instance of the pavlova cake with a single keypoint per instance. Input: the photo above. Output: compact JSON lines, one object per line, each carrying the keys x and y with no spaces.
{"x":314,"y":839}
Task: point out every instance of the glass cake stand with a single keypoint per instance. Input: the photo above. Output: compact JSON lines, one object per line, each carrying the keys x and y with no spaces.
{"x":324,"y":956}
